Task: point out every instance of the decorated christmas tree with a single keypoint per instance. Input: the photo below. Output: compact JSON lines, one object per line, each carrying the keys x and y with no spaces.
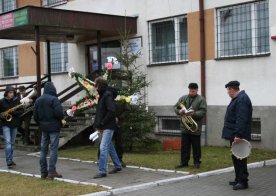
{"x":136,"y":122}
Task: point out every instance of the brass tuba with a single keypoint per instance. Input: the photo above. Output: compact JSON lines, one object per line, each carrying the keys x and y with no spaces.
{"x":187,"y":121}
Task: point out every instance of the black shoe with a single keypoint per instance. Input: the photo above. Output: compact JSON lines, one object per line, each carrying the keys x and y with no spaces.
{"x":99,"y":176}
{"x":123,"y":164}
{"x":9,"y":165}
{"x":181,"y":166}
{"x":240,"y":186}
{"x":233,"y":183}
{"x":197,"y":165}
{"x":115,"y":170}
{"x":44,"y":175}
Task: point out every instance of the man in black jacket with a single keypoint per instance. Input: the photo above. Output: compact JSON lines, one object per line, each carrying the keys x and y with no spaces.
{"x":48,"y":114}
{"x":105,"y":122}
{"x":9,"y":128}
{"x":237,"y":126}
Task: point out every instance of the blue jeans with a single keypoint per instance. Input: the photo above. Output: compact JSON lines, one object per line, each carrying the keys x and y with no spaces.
{"x":47,"y":138}
{"x":9,"y":139}
{"x":106,"y":147}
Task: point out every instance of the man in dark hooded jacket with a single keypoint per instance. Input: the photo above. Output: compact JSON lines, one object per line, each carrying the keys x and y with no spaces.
{"x":48,"y":113}
{"x":105,"y":122}
{"x":237,"y":126}
{"x":9,"y":128}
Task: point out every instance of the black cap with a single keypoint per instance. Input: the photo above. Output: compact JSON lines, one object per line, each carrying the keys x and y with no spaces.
{"x":193,"y":86}
{"x":234,"y":83}
{"x":21,"y":88}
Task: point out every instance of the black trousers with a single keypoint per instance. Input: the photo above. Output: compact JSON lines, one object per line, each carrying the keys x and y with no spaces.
{"x":117,"y":137}
{"x":188,"y":141}
{"x":240,"y":166}
{"x":26,"y":121}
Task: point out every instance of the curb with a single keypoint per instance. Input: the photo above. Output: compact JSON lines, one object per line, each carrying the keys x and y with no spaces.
{"x":178,"y":179}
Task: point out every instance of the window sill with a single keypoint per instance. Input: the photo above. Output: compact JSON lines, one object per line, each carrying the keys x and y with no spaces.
{"x":57,"y":73}
{"x":165,"y":64}
{"x":9,"y":77}
{"x":242,"y":57}
{"x":56,"y":4}
{"x":166,"y":133}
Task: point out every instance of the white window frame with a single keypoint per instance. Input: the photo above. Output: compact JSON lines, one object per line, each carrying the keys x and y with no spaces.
{"x":15,"y":65}
{"x":176,"y":20}
{"x":253,"y":33}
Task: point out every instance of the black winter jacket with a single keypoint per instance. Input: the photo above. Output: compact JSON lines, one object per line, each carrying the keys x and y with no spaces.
{"x":48,"y":112}
{"x":106,"y":109}
{"x":6,"y":104}
{"x":237,"y":121}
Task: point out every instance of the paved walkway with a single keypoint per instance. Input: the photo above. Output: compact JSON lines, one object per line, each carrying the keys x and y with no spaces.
{"x":140,"y":182}
{"x":262,"y":183}
{"x":84,"y":171}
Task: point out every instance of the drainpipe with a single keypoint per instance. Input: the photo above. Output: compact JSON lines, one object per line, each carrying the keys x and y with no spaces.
{"x":202,"y":47}
{"x":202,"y":59}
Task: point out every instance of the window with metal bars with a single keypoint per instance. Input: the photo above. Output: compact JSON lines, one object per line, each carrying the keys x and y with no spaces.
{"x":168,"y":40}
{"x":168,"y":124}
{"x":7,"y":5}
{"x":58,"y":57}
{"x":9,"y":62}
{"x":243,"y":30}
{"x":50,"y":3}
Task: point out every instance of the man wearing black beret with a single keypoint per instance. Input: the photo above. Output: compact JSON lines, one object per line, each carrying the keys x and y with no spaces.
{"x":191,"y":138}
{"x":237,"y":126}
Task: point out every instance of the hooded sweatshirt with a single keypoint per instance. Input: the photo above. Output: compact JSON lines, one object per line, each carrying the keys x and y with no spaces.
{"x":48,"y":112}
{"x":106,"y":109}
{"x":6,"y":104}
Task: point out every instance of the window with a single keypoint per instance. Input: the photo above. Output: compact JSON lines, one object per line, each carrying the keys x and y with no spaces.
{"x":256,"y":133}
{"x":59,"y":57}
{"x":51,"y":3}
{"x":7,"y":5}
{"x":109,"y":50}
{"x":168,"y":40}
{"x":168,"y":124}
{"x":9,"y":62}
{"x":243,"y":30}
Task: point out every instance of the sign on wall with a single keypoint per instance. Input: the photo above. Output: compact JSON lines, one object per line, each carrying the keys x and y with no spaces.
{"x":14,"y":19}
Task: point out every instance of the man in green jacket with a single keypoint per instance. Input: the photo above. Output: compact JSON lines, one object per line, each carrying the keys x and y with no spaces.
{"x":198,"y":107}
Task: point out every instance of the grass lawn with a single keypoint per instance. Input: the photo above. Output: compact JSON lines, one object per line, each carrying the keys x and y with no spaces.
{"x":212,"y":157}
{"x":12,"y":184}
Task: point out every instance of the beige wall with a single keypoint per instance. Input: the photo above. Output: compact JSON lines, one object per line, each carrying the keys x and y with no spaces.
{"x":22,"y":3}
{"x":194,"y":35}
{"x":27,"y":59}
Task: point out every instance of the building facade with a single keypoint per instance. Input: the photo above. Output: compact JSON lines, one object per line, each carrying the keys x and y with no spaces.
{"x":239,"y":45}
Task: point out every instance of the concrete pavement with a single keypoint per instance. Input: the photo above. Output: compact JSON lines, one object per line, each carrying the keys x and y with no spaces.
{"x":144,"y":181}
{"x":262,"y":183}
{"x":84,"y":171}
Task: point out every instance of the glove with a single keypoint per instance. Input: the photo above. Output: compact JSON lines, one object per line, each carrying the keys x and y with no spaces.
{"x":70,"y":112}
{"x":94,"y":136}
{"x":25,"y":101}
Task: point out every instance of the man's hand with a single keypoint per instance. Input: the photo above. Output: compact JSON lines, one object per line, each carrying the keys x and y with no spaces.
{"x":237,"y":140}
{"x":181,"y":112}
{"x":190,"y":113}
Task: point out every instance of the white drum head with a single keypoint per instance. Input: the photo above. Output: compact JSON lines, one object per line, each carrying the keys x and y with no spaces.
{"x":242,"y":149}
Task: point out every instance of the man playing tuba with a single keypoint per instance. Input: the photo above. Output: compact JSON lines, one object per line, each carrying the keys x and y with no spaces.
{"x":191,"y":108}
{"x":9,"y":125}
